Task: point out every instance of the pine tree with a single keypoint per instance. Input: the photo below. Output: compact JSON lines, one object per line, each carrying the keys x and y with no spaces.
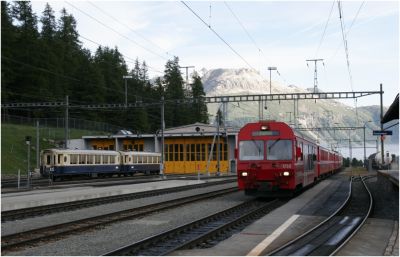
{"x":8,"y":37}
{"x":26,"y":86}
{"x":175,"y":114}
{"x":199,"y":108}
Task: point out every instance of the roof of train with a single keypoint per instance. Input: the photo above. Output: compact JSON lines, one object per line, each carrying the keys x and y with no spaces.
{"x":103,"y":152}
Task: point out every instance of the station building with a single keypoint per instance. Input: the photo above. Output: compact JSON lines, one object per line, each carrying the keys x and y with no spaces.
{"x":187,"y":149}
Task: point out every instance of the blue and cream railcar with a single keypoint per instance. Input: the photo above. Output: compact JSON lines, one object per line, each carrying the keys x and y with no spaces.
{"x":143,"y":162}
{"x":59,"y":163}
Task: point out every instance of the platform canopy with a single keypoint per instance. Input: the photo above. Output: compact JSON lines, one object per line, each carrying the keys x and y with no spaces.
{"x":393,"y":111}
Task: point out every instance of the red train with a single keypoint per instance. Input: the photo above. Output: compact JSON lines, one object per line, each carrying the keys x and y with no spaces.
{"x":275,"y":160}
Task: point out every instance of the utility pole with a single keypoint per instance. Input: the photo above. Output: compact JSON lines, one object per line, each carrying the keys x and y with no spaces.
{"x":66,"y":121}
{"x":28,"y":143}
{"x":382,"y":147}
{"x":187,"y":74}
{"x":315,"y":71}
{"x":218,"y":146}
{"x":162,"y":137}
{"x":270,"y":69}
{"x":37,"y":145}
{"x":126,"y":88}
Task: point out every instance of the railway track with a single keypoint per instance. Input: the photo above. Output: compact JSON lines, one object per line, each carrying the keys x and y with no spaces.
{"x":42,"y":182}
{"x":68,"y":206}
{"x":24,"y":239}
{"x":199,"y":231}
{"x":333,"y":233}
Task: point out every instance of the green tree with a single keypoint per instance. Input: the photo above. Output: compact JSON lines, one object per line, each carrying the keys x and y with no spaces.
{"x":175,"y":114}
{"x":199,"y":108}
{"x":8,"y":37}
{"x":26,"y":84}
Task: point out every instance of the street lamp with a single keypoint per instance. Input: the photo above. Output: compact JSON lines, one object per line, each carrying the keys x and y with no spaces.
{"x":365,"y":153}
{"x":28,"y":143}
{"x":270,"y":69}
{"x":126,"y":89}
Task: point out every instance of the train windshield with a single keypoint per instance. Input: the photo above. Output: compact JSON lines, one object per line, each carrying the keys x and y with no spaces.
{"x":279,"y":149}
{"x":251,"y":150}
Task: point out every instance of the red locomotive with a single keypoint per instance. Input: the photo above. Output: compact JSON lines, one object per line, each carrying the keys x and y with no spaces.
{"x":274,"y":160}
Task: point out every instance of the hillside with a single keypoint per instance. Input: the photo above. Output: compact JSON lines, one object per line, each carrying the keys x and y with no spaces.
{"x":14,"y":149}
{"x":320,"y":113}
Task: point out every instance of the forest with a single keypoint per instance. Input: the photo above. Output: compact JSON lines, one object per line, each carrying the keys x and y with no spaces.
{"x":49,"y":64}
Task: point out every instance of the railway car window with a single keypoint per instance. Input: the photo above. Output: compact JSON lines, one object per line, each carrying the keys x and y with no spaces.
{"x":251,"y":150}
{"x":48,"y":159}
{"x":74,"y":158}
{"x":65,"y":159}
{"x":59,"y":158}
{"x":141,"y":148}
{"x":90,"y":159}
{"x":82,"y":159}
{"x":97,"y":159}
{"x":279,"y":149}
{"x":105,"y":159}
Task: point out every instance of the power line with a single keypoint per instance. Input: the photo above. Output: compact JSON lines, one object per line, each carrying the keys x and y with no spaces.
{"x":115,"y":31}
{"x":41,"y":69}
{"x":223,"y":40}
{"x":345,"y":44}
{"x":123,"y":24}
{"x":127,"y":57}
{"x":244,"y":28}
{"x":326,"y":25}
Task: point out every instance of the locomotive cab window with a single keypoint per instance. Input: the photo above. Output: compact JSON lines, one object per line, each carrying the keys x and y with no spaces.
{"x":279,"y":149}
{"x":251,"y":150}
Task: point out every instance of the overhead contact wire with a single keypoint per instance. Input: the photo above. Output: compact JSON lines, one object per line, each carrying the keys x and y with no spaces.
{"x":223,"y":40}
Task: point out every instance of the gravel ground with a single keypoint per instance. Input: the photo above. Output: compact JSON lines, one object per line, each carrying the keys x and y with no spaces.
{"x":12,"y":227}
{"x":100,"y":241}
{"x":386,"y":199}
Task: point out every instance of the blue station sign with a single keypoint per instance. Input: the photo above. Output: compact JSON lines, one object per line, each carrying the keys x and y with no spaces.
{"x":382,"y":132}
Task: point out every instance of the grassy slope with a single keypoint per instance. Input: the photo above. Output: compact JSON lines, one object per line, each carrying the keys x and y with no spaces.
{"x":14,"y":150}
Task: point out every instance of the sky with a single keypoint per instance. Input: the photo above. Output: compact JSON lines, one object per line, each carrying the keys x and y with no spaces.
{"x":260,"y":34}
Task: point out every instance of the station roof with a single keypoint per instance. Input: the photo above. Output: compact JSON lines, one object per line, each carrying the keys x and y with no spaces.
{"x":192,"y":130}
{"x":393,"y":111}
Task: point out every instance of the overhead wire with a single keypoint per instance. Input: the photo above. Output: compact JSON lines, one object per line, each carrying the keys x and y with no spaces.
{"x":326,"y":25}
{"x":216,"y":33}
{"x":128,"y":27}
{"x":115,"y":31}
{"x":244,"y":29}
{"x":127,"y":57}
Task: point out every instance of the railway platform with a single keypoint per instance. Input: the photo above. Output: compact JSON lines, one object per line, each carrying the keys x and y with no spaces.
{"x":25,"y":199}
{"x":378,"y":236}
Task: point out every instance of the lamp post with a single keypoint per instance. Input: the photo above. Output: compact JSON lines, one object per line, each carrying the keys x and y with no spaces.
{"x":126,"y":88}
{"x":365,"y":152}
{"x":270,"y":69}
{"x":28,"y":143}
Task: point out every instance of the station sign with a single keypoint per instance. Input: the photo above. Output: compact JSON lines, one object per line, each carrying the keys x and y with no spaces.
{"x":382,"y":132}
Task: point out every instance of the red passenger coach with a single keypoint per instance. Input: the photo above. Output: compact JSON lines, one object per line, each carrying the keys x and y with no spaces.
{"x":274,"y":160}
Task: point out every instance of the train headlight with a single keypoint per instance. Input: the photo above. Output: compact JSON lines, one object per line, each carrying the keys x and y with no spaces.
{"x":286,"y":174}
{"x":244,"y":174}
{"x":264,"y":127}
